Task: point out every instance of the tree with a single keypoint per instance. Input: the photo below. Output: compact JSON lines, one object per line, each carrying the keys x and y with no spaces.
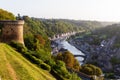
{"x":69,"y":60}
{"x":40,"y":38}
{"x":5,"y":15}
{"x":91,"y":70}
{"x":60,"y":68}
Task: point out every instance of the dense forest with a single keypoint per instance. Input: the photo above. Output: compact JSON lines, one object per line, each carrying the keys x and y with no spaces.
{"x":58,"y":26}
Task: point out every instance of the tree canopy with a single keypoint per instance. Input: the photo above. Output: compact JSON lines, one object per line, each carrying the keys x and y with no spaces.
{"x":5,"y":15}
{"x":69,"y":60}
{"x":91,"y":70}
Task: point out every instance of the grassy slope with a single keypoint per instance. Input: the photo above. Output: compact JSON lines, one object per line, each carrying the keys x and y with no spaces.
{"x":15,"y":67}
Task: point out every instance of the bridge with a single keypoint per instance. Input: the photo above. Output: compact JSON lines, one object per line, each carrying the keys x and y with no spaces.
{"x":84,"y":56}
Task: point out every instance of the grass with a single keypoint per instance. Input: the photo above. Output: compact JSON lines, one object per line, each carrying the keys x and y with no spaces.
{"x":13,"y":66}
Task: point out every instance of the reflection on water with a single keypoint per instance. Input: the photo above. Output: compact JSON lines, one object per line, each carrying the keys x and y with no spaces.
{"x":71,"y":48}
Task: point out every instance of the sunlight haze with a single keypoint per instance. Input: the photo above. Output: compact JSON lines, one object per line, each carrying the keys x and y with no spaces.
{"x":101,"y":10}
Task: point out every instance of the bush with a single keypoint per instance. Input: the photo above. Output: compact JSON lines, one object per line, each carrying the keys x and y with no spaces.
{"x":45,"y":67}
{"x":41,"y":54}
{"x":33,"y":59}
{"x":37,"y":61}
{"x":60,"y":68}
{"x":51,"y":62}
{"x":18,"y":46}
{"x":91,"y":70}
{"x":74,"y":76}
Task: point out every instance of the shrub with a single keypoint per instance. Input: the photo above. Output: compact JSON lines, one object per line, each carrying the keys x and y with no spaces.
{"x":37,"y":61}
{"x":18,"y":46}
{"x":91,"y":70}
{"x":45,"y":67}
{"x":33,"y":59}
{"x":41,"y":54}
{"x":28,"y":54}
{"x":60,"y":68}
{"x":74,"y":76}
{"x":51,"y":62}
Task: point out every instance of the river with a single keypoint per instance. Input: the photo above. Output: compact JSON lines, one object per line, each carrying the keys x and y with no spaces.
{"x":64,"y":44}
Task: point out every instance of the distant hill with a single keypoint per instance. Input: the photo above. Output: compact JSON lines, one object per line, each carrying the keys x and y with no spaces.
{"x":13,"y":66}
{"x":107,"y":23}
{"x":110,"y":31}
{"x":58,"y":26}
{"x":81,"y":24}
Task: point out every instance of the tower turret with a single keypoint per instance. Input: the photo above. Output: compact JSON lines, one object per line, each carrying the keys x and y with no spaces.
{"x":12,"y":31}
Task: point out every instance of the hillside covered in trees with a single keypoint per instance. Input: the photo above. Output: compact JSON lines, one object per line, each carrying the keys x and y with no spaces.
{"x":109,"y":32}
{"x":58,"y":26}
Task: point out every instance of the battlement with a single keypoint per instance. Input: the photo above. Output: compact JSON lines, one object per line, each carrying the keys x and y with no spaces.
{"x":12,"y":31}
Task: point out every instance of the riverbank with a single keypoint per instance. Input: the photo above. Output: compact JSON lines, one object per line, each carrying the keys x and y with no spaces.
{"x":63,"y":44}
{"x":76,"y":46}
{"x":86,"y":53}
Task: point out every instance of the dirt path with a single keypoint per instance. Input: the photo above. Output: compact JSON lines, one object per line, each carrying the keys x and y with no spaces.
{"x":10,"y":69}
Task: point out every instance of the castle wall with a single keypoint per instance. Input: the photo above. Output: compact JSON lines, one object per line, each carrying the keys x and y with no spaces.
{"x":12,"y":31}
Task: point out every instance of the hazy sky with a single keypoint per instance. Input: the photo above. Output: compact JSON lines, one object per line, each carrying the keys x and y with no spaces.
{"x":102,"y":10}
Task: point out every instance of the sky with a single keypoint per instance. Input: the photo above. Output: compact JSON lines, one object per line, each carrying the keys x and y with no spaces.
{"x":100,"y":10}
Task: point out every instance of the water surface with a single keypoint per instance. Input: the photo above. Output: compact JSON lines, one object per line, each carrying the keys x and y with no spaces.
{"x":64,"y":44}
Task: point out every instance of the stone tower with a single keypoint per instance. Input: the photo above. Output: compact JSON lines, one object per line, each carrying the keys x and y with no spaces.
{"x":12,"y":31}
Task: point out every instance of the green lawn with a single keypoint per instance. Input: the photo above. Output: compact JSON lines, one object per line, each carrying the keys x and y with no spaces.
{"x":13,"y":66}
